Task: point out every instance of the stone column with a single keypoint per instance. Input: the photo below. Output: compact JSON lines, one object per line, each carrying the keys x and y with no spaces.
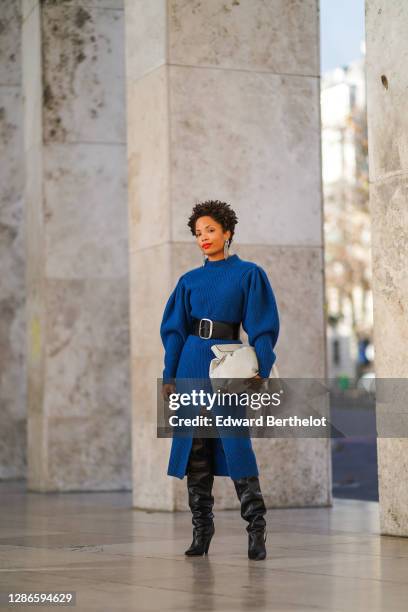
{"x":387,"y":81}
{"x":77,"y":246}
{"x":223,"y":103}
{"x":12,"y":290}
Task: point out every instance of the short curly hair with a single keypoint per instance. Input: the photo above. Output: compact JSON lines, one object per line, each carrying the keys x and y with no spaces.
{"x":220,"y":211}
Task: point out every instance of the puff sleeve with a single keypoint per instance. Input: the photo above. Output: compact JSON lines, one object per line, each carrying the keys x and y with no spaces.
{"x":174,"y":328}
{"x":260,"y":317}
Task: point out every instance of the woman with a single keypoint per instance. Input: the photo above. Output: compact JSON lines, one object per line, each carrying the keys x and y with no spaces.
{"x":229,"y":291}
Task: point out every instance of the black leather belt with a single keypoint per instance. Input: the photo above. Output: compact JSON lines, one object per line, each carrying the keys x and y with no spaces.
{"x":207,"y":328}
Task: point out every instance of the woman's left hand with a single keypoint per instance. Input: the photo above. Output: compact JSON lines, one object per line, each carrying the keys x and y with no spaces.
{"x":254,"y":382}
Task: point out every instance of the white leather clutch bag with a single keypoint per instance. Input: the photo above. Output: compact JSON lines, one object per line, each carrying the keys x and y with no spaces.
{"x":236,"y":361}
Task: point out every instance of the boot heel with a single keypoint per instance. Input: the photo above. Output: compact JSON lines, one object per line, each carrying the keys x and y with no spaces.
{"x":200,"y":544}
{"x":197,"y":548}
{"x":256,"y":545}
{"x":207,"y":545}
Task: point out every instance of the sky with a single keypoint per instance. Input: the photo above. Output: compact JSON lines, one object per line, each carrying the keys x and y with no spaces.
{"x":341,"y":32}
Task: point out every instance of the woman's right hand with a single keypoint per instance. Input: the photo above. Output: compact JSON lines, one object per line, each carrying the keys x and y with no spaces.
{"x":167,"y":389}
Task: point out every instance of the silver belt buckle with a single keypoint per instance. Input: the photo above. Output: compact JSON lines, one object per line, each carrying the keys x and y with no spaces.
{"x":211,"y":328}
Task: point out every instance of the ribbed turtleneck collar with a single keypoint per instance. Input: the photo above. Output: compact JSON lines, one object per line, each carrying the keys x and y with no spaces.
{"x":221,"y":262}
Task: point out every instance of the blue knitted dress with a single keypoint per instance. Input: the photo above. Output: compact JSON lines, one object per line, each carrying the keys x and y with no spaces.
{"x":231,"y":290}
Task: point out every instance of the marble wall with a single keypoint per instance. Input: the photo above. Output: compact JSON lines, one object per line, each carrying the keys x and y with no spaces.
{"x":387,"y":81}
{"x":223,"y":102}
{"x":12,"y":252}
{"x":77,"y":276}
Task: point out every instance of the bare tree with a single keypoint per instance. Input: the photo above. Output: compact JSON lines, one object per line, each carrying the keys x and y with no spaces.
{"x":347,"y":224}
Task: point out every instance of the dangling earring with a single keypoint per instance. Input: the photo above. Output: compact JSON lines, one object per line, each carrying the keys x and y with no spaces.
{"x":226,"y":249}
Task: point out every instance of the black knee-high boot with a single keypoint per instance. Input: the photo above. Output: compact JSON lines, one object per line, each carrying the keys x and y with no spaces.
{"x":253,"y":511}
{"x":200,"y":480}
